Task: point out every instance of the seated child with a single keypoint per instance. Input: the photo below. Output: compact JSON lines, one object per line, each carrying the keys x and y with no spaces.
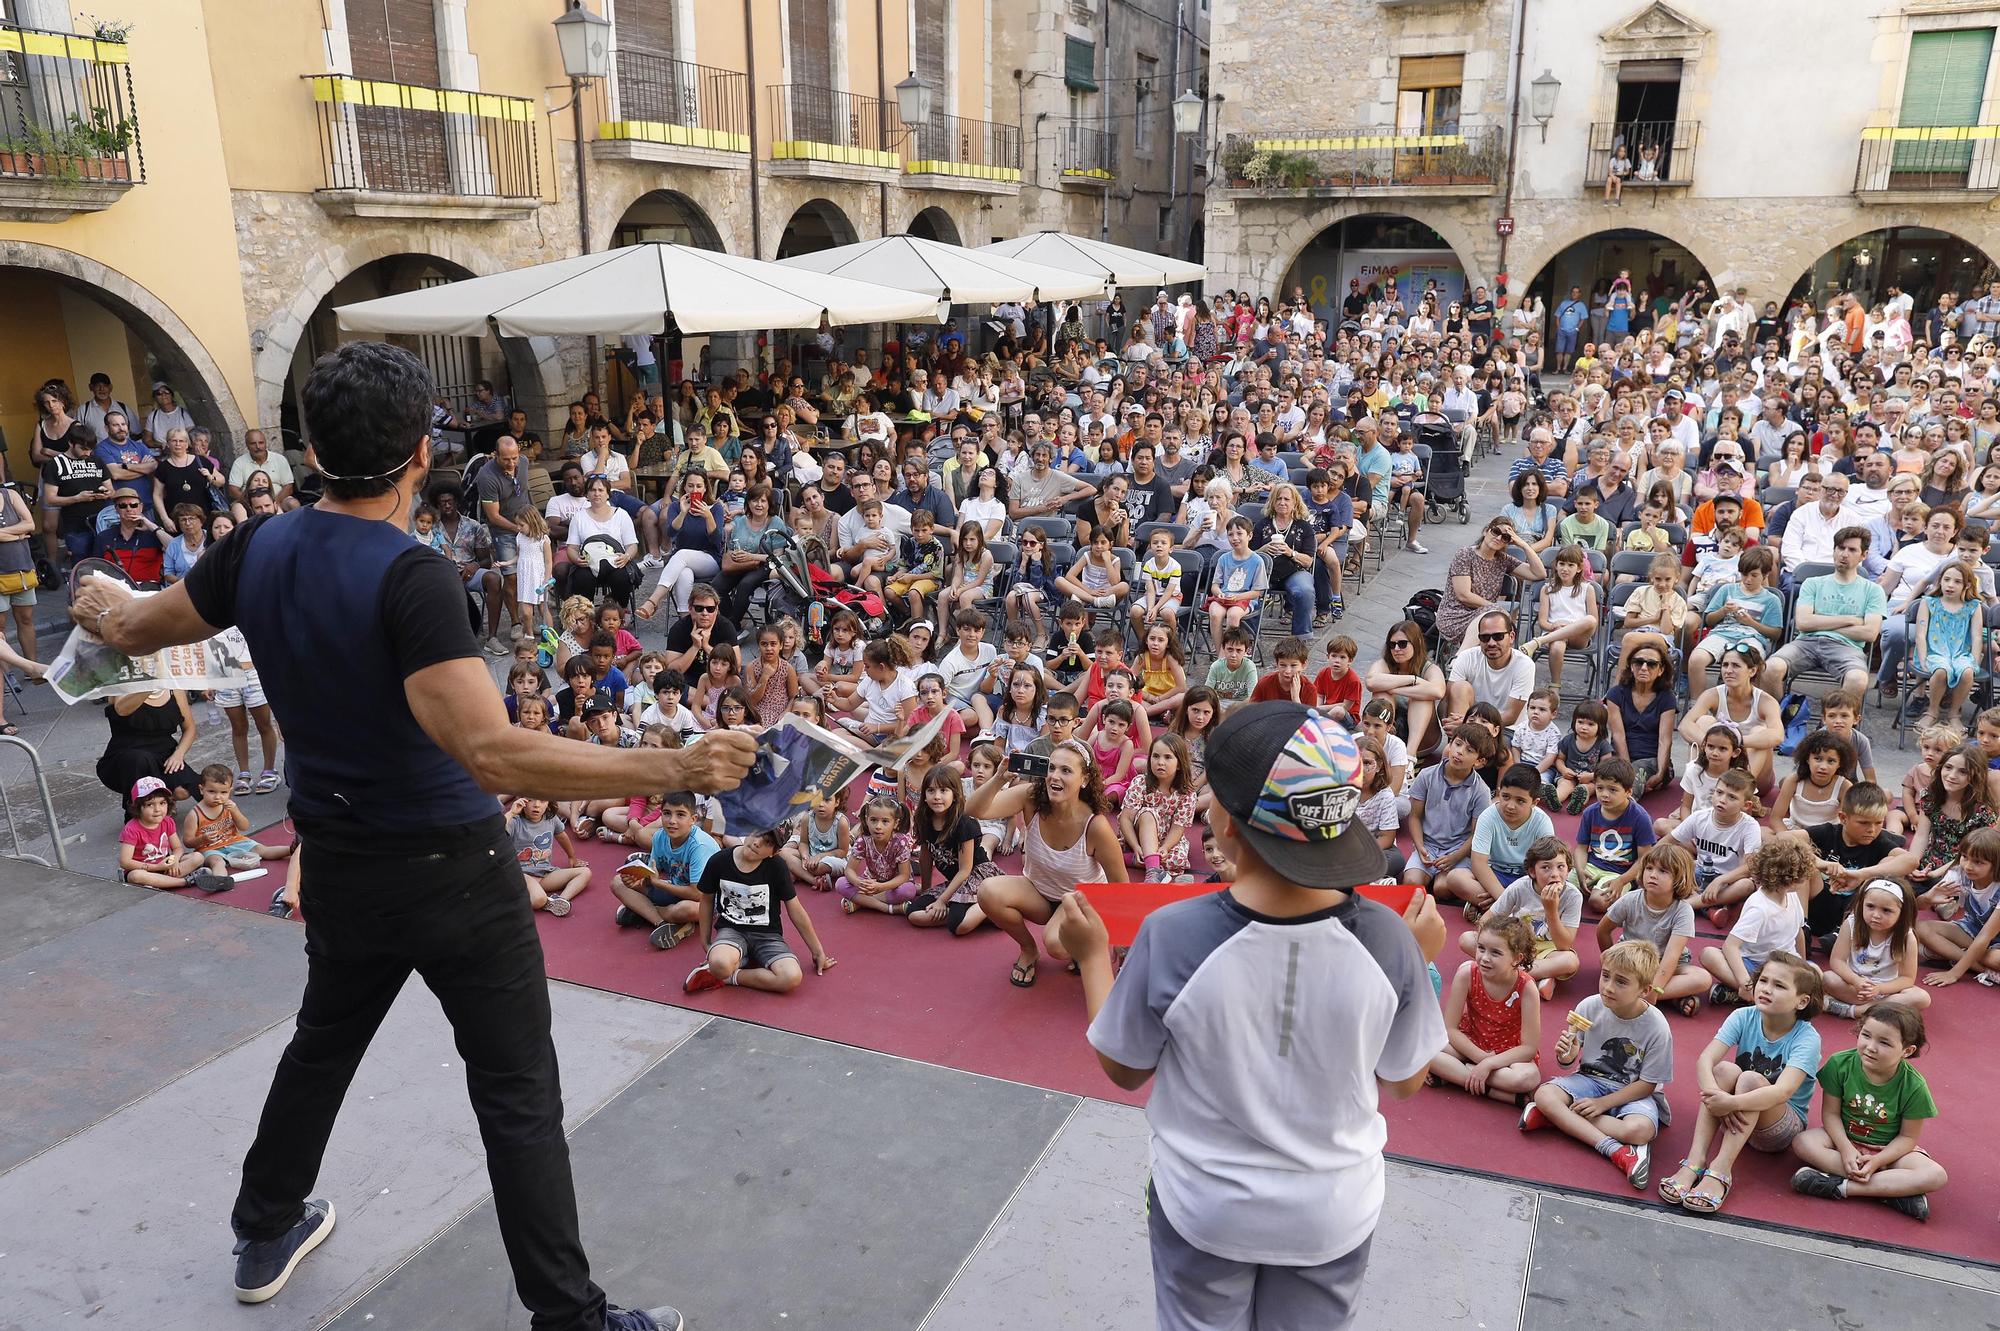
{"x":1446,"y":800}
{"x":1536,"y":739}
{"x":951,"y":860}
{"x":1578,"y":754}
{"x":1552,"y":906}
{"x":1933,"y":744}
{"x":1659,"y":914}
{"x":1159,"y":598}
{"x":879,"y":873}
{"x":817,"y":851}
{"x":1112,"y":748}
{"x":1288,"y":683}
{"x":536,"y":830}
{"x":1233,"y":675}
{"x":1773,"y":915}
{"x":1158,"y":810}
{"x":741,"y":890}
{"x":1873,"y":1106}
{"x":1493,"y":1016}
{"x":1338,"y":684}
{"x":219,"y":831}
{"x":660,"y":890}
{"x":150,"y":853}
{"x":1722,"y":837}
{"x":1810,"y":796}
{"x":1970,"y":941}
{"x":1504,"y":839}
{"x":1762,"y":1095}
{"x":1721,"y":749}
{"x":1624,"y":1057}
{"x":1847,"y":852}
{"x":1875,"y":953}
{"x":1613,"y":831}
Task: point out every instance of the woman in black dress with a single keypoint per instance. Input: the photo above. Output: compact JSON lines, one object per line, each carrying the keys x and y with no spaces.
{"x":151,"y":734}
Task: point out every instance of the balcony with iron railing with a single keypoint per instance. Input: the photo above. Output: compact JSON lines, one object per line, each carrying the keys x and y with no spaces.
{"x":655,"y":108}
{"x":397,"y":150}
{"x":1661,"y":153}
{"x":832,"y":135}
{"x":1086,"y":155}
{"x":1467,"y":160}
{"x":1928,"y":164}
{"x":949,"y":152}
{"x":69,"y":126}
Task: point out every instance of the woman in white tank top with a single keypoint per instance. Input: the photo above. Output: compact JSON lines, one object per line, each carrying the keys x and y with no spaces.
{"x":1070,"y":840}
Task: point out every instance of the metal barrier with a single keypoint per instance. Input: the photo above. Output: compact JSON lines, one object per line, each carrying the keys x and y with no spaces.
{"x":1369,"y":157}
{"x":1086,"y":152}
{"x":67,"y":111}
{"x":398,"y":138}
{"x":48,"y":808}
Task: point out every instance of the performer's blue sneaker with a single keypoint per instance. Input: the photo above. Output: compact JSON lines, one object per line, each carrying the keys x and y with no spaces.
{"x":652,"y":1319}
{"x":264,"y":1265}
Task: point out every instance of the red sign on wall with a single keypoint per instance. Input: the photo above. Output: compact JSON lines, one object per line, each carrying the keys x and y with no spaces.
{"x":1503,"y":226}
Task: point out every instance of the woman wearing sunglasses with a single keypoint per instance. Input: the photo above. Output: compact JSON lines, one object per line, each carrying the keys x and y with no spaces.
{"x":1641,"y":710}
{"x":1737,"y":700}
{"x":1406,"y":674}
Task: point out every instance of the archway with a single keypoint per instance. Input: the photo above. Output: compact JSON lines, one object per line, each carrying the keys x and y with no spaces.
{"x":63,"y":316}
{"x":817,"y":225}
{"x":935,"y":224}
{"x":456,"y":364}
{"x":1921,"y":261}
{"x":1373,"y":249}
{"x":1661,"y":269}
{"x":666,"y":217}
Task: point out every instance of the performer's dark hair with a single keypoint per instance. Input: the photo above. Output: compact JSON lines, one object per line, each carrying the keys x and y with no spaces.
{"x":366,"y":406}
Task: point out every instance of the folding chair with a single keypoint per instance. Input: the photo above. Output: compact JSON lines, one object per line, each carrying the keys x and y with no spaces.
{"x":1006,"y":557}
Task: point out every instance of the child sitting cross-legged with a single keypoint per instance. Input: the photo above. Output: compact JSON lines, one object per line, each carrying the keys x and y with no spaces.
{"x":1722,"y":837}
{"x":1773,"y":915}
{"x":741,"y":891}
{"x":536,"y":830}
{"x":660,"y":890}
{"x":951,"y":858}
{"x":1970,"y":940}
{"x":1503,"y":844}
{"x":1875,"y":953}
{"x":1551,"y":905}
{"x":150,"y":852}
{"x":1493,"y":1016}
{"x":1158,"y":810}
{"x":219,"y":831}
{"x":1446,"y":800}
{"x":879,"y":873}
{"x":1872,"y":1108}
{"x":817,"y":849}
{"x":1624,"y":1058}
{"x":1659,"y":913}
{"x":1761,"y":1096}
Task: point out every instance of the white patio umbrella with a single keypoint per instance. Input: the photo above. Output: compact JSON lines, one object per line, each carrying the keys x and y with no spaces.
{"x":1120,"y":266}
{"x":634,"y":289}
{"x":950,"y":272}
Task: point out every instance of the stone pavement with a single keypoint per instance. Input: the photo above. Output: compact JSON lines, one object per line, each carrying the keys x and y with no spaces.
{"x":756,"y":1178}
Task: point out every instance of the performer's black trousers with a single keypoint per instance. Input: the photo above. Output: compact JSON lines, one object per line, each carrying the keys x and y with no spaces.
{"x":448,"y":904}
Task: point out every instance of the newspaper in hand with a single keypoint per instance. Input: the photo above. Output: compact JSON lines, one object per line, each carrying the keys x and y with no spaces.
{"x":87,"y":667}
{"x":797,"y":762}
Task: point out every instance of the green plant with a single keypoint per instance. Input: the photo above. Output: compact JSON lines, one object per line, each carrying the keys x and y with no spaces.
{"x":60,"y":151}
{"x":107,"y":30}
{"x":1297,"y":170}
{"x":1236,"y":158}
{"x":101,"y":135}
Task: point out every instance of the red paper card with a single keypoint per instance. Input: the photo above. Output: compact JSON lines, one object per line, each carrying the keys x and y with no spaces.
{"x":1124,"y":905}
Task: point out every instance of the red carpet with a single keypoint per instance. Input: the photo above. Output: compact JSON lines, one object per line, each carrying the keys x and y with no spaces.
{"x":924,"y":995}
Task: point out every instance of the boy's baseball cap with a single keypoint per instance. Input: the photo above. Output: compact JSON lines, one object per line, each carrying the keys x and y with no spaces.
{"x":1290,"y":778}
{"x":600,"y":703}
{"x":147,"y":785}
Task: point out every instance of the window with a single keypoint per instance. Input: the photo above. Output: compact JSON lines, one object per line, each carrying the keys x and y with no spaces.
{"x":1166,"y":227}
{"x":1146,"y":103}
{"x":1428,"y":93}
{"x":1080,"y":63}
{"x":1943,"y":85}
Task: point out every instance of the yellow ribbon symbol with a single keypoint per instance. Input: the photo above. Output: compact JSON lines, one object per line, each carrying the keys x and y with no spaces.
{"x":1316,"y":293}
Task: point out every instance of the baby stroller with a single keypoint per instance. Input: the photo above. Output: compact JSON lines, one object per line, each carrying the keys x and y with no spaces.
{"x":805,"y":590}
{"x":1444,"y":479}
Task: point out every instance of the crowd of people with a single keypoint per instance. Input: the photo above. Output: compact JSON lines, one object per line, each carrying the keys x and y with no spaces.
{"x":1083,"y":552}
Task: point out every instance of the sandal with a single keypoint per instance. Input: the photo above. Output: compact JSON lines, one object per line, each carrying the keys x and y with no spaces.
{"x":9,"y":728}
{"x":1023,"y":974}
{"x":1691,"y":1005}
{"x":1674,"y":1195}
{"x":1703,"y":1204}
{"x":267,"y":782}
{"x":242,"y":786}
{"x":847,"y":906}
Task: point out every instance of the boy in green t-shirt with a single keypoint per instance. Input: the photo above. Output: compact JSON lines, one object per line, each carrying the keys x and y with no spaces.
{"x":1233,"y":675}
{"x":1875,"y":1105}
{"x":1584,"y":527}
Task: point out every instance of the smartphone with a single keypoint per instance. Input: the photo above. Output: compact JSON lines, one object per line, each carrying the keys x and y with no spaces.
{"x":1028,"y":764}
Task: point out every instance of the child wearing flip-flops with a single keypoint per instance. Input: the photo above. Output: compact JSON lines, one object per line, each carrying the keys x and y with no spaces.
{"x":1759,"y":1097}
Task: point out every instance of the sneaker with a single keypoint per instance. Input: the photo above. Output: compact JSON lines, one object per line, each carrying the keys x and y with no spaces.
{"x":1416,"y":549}
{"x":1720,"y":995}
{"x":558,"y":906}
{"x":626,"y":918}
{"x":1816,"y":1183}
{"x":648,"y":563}
{"x":1838,"y":1008}
{"x":208,"y":881}
{"x":1473,"y":913}
{"x":495,"y":647}
{"x":632,"y":1319}
{"x":1637,"y":1162}
{"x":1917,"y":1208}
{"x":1579,"y":800}
{"x":278,"y":906}
{"x":1156,"y":875}
{"x":1532,"y":1117}
{"x":668,"y":934}
{"x":700,"y":978}
{"x":264,"y":1265}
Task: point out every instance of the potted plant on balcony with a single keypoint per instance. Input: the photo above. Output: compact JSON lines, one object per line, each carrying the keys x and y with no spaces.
{"x":1235,"y":159}
{"x":17,"y":160}
{"x":103,"y":143}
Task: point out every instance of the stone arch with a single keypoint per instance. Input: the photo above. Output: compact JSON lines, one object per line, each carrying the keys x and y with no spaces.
{"x":1553,"y":242}
{"x":274,"y":343}
{"x":198,"y":380}
{"x":675,"y":211}
{"x":1293,"y":240}
{"x":934,"y":223}
{"x":816,"y":224}
{"x":1796,"y":261}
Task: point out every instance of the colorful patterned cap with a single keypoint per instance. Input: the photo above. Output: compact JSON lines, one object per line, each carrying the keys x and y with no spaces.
{"x":1291,"y":780}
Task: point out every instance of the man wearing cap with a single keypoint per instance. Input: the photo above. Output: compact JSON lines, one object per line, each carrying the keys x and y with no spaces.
{"x":394,"y":759}
{"x":1274,"y":1014}
{"x":135,"y":542}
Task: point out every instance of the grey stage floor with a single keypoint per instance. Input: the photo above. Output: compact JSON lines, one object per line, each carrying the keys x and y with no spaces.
{"x":756,"y":1178}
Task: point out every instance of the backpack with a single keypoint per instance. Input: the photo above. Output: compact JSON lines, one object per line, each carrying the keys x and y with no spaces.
{"x":1795,"y":711}
{"x":1422,"y":610}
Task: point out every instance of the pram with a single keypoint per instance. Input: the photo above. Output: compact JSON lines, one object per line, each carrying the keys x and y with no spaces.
{"x":807,"y":591}
{"x":1444,"y":478}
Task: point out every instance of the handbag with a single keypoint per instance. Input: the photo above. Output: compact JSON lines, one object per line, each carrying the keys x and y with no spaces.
{"x":12,"y":584}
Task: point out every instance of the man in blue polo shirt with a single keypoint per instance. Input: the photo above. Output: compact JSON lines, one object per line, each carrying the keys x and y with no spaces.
{"x":1274,"y":1014}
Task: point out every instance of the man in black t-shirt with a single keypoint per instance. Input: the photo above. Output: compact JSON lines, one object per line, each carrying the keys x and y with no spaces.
{"x":701,"y":628}
{"x":1149,"y":496}
{"x":1479,"y":314}
{"x":74,"y":490}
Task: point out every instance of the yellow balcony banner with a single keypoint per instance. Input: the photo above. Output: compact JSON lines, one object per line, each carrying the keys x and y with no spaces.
{"x":62,"y":46}
{"x":970,"y":170}
{"x":372,"y":92}
{"x":1931,"y":133}
{"x":804,"y":150}
{"x":1399,"y":142}
{"x":656,"y":131}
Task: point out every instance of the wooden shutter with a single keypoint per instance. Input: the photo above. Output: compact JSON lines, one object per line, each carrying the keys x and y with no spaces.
{"x":1649,"y":71}
{"x":1946,"y":78}
{"x":1430,"y":71}
{"x":652,"y":84}
{"x":400,"y":149}
{"x":647,"y":25}
{"x":932,"y":65}
{"x":809,"y":47}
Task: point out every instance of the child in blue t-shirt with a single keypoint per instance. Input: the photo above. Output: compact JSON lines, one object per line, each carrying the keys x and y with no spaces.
{"x":660,"y":889}
{"x":1238,"y":583}
{"x":1613,"y":832}
{"x":1766,"y":1081}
